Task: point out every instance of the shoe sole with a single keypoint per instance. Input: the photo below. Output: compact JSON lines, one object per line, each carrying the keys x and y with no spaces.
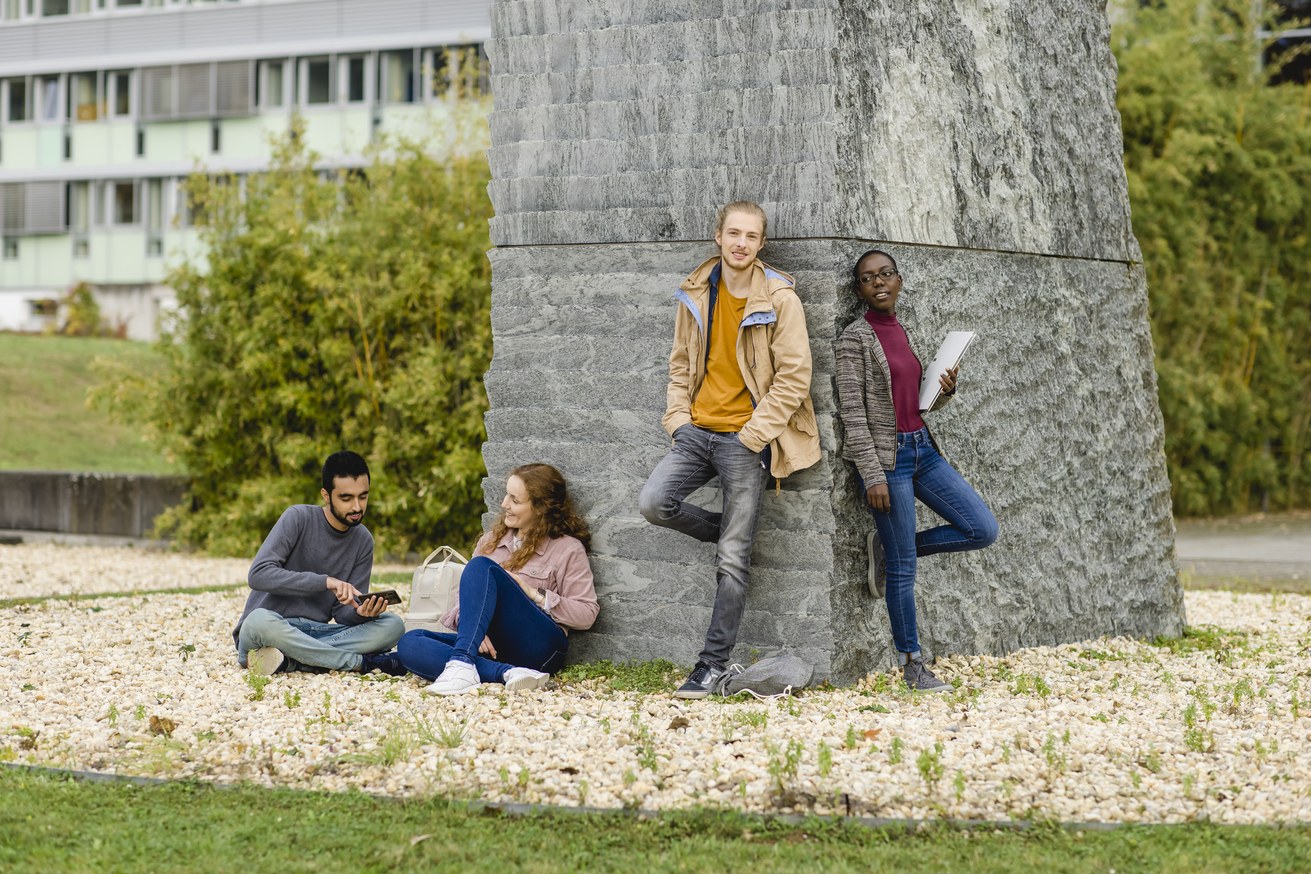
{"x":429,"y":690}
{"x":526,"y":684}
{"x":265,"y":661}
{"x":876,"y":587}
{"x":692,"y":694}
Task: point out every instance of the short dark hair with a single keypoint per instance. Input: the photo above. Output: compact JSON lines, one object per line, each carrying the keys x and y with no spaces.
{"x":345,"y":463}
{"x":855,"y":268}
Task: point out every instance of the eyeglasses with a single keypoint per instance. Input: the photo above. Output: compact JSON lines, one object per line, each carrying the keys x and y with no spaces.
{"x":885,"y":275}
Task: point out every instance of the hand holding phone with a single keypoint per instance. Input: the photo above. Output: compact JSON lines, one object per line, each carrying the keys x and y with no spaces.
{"x":388,"y":596}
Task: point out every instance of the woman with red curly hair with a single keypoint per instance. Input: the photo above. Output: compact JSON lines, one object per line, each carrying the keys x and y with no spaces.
{"x":528,"y":584}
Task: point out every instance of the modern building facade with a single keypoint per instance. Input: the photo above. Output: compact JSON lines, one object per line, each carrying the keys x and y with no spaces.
{"x":106,"y":106}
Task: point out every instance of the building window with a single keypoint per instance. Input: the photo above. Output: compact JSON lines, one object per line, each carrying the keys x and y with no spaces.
{"x":397,"y":69}
{"x":272,"y":84}
{"x":477,"y":70}
{"x":84,"y":97}
{"x":120,"y":84}
{"x":123,"y":201}
{"x":54,"y":7}
{"x":233,"y":92}
{"x":318,"y":81}
{"x":16,"y":99}
{"x":460,"y":72}
{"x":48,"y":97}
{"x":353,"y":68}
{"x":11,"y":248}
{"x":79,"y":217}
{"x":154,"y":216}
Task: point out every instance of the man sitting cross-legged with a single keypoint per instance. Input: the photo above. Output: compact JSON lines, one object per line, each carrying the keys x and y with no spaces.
{"x":313,"y":568}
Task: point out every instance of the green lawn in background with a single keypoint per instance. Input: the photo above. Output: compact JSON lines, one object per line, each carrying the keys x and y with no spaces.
{"x":45,"y":423}
{"x":49,"y":823}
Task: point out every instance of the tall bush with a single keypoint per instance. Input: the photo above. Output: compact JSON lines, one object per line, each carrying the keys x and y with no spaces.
{"x":1219,"y":170}
{"x":329,"y":313}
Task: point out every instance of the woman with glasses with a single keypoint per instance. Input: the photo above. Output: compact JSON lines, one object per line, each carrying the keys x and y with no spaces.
{"x":878,"y":376}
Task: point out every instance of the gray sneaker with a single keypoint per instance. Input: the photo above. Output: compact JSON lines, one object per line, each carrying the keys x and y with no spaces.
{"x":878,"y":565}
{"x":702,"y":682}
{"x":920,"y":679}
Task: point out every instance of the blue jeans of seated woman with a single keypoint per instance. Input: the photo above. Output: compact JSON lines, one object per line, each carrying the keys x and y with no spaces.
{"x":922,"y":473}
{"x":491,"y":605}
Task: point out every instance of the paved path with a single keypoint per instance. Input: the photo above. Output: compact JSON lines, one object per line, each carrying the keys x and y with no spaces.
{"x":1269,"y":548}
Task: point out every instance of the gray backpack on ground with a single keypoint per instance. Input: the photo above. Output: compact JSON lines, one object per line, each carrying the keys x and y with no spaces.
{"x":769,"y":677}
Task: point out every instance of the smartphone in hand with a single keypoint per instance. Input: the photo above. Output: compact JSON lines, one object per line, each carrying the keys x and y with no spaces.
{"x":388,"y":595}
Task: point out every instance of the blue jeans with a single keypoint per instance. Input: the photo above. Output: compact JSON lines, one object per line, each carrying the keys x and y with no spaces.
{"x":699,"y":456}
{"x":922,"y":473}
{"x":491,"y":605}
{"x":323,"y":645}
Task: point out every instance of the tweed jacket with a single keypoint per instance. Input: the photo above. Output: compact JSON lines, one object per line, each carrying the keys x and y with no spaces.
{"x":773,"y":354}
{"x":865,"y":402}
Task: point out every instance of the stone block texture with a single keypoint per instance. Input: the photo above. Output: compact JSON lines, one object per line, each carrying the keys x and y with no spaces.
{"x":980,"y":145}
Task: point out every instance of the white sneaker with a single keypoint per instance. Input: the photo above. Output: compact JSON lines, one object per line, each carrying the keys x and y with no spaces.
{"x":265,"y":661}
{"x":458,"y":678}
{"x":524,"y":679}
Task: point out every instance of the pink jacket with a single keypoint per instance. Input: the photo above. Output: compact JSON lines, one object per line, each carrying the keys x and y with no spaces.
{"x":559,"y":569}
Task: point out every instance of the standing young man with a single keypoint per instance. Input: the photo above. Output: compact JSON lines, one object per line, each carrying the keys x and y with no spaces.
{"x":738,"y":407}
{"x":314,"y":568}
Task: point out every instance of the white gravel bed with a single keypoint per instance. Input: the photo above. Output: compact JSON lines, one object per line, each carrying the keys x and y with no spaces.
{"x":1111,"y":730}
{"x":33,"y":570}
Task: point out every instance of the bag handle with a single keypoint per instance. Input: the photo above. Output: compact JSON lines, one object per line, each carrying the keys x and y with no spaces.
{"x":449,"y":553}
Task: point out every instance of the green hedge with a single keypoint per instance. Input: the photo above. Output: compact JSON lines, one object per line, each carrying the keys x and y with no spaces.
{"x":327,"y":314}
{"x":1219,"y":170}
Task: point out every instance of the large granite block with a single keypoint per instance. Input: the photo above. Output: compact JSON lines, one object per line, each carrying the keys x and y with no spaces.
{"x":979,"y":145}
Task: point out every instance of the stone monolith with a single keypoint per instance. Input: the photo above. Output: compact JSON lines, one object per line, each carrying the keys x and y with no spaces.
{"x":980,"y":144}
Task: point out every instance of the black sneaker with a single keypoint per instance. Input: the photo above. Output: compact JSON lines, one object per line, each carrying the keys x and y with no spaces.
{"x":701,"y":682}
{"x":920,"y":679}
{"x":387,"y":662}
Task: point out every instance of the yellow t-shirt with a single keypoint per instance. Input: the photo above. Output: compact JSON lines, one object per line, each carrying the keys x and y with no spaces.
{"x":723,"y":404}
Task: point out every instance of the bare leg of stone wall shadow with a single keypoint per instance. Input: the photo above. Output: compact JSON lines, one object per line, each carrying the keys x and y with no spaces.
{"x":699,"y":456}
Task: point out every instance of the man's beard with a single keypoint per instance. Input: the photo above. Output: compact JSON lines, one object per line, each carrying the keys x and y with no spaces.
{"x":348,"y":522}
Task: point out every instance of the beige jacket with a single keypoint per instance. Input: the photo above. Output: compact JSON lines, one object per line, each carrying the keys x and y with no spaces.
{"x":773,"y":353}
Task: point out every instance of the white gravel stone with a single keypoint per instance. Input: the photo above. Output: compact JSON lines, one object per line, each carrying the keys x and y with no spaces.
{"x":1107,"y":730}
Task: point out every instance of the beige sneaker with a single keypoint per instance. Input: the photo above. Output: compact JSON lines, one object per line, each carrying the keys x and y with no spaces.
{"x":266,"y":661}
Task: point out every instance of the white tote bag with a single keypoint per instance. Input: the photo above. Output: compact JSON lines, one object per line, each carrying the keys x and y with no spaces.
{"x":435,"y":590}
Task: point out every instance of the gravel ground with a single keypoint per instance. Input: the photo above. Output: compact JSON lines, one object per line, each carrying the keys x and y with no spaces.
{"x":34,"y":570}
{"x":1217,"y":727}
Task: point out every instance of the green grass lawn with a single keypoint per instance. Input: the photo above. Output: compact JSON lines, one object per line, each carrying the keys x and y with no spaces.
{"x":45,"y":423}
{"x":50,"y":823}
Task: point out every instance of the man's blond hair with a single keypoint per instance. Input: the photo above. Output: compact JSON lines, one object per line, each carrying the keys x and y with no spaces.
{"x":750,"y":207}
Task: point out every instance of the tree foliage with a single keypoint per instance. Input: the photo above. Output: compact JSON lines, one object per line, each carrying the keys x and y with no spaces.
{"x":1219,"y":170}
{"x":330,"y":313}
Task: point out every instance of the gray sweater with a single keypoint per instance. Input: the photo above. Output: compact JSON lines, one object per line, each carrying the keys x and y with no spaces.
{"x":290,"y":572}
{"x":865,"y":402}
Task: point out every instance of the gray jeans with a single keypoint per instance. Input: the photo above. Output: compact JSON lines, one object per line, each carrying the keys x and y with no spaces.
{"x":699,"y":456}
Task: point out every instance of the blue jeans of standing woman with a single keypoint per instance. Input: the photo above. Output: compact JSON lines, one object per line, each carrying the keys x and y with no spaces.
{"x":491,"y":605}
{"x":698,"y":457}
{"x":922,"y":473}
